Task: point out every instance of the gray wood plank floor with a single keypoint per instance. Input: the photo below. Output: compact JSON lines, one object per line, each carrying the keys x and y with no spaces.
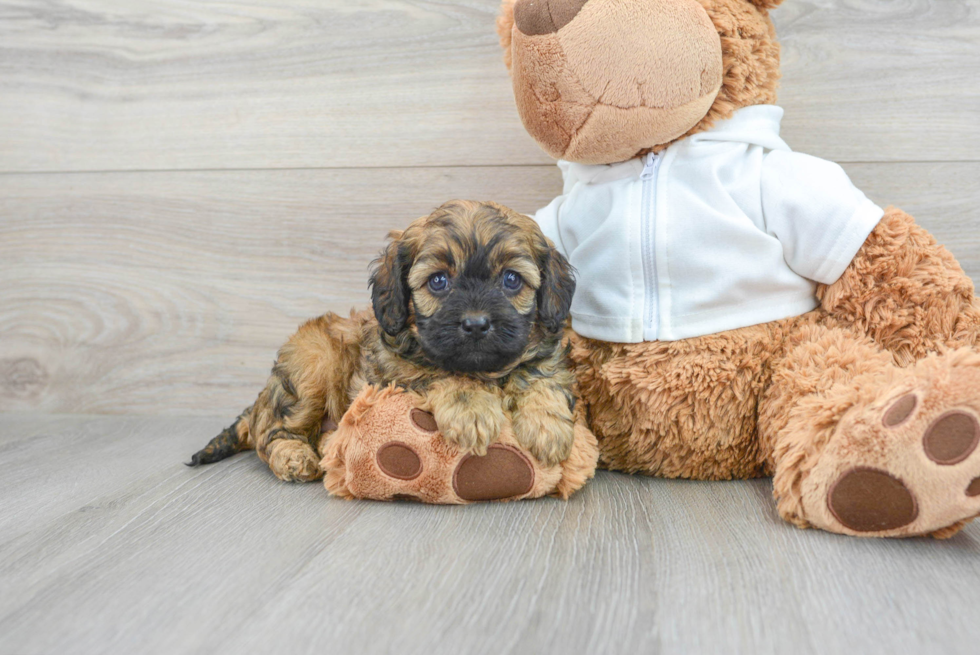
{"x":109,"y":545}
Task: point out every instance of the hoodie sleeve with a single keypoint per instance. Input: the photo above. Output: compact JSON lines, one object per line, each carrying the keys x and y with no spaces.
{"x":547,"y":220}
{"x":819,"y":216}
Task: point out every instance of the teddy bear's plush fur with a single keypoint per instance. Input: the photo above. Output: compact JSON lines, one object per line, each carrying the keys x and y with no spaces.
{"x":563,"y":79}
{"x":864,"y":410}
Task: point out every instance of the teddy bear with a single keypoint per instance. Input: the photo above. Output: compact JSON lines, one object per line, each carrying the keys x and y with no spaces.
{"x":388,"y":446}
{"x":742,"y":309}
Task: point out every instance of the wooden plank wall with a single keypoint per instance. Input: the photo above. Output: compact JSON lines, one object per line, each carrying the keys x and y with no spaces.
{"x":182,"y":183}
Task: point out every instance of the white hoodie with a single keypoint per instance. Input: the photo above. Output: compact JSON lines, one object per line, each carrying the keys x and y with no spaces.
{"x":724,"y":229}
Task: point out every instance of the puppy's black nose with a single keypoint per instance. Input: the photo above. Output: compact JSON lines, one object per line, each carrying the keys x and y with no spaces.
{"x":476,"y":326}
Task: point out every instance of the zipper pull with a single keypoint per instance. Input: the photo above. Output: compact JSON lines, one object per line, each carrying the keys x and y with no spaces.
{"x":649,"y":166}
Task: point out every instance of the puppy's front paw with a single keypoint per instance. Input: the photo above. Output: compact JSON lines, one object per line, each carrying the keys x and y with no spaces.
{"x":547,"y":435}
{"x":472,"y":423}
{"x":294,"y":461}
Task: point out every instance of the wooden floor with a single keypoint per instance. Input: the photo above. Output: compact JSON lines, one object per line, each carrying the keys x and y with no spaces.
{"x":182,"y":183}
{"x":110,"y":545}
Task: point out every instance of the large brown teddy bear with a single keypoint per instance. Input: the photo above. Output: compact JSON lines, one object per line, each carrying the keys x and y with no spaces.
{"x":743,"y":310}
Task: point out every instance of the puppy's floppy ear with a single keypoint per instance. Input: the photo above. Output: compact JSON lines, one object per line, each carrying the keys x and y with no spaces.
{"x":556,"y":290}
{"x":389,"y":285}
{"x":766,"y":4}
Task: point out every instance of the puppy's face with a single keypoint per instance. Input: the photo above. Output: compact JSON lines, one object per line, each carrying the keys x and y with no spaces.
{"x":476,"y":283}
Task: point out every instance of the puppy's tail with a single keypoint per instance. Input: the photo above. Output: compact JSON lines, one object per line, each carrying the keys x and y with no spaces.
{"x":233,"y":439}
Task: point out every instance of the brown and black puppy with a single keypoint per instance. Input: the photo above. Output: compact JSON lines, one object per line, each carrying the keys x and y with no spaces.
{"x":469,"y":306}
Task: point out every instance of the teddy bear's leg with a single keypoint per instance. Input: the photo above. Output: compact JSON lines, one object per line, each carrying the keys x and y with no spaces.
{"x":906,"y":292}
{"x":861,"y":446}
{"x":679,"y":409}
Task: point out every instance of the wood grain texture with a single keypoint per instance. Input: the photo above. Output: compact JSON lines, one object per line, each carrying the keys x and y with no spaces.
{"x":169,"y":293}
{"x":166,"y":84}
{"x":162,"y":292}
{"x":114,"y":547}
{"x":879,"y":80}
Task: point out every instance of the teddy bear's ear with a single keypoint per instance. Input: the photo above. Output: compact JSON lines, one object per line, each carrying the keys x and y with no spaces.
{"x":766,"y":4}
{"x":505,"y":24}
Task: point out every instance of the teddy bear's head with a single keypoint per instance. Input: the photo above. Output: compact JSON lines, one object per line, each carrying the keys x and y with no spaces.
{"x":601,"y":81}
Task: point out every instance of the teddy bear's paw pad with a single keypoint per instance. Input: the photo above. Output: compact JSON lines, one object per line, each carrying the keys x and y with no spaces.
{"x":423,"y":420}
{"x":399,"y":460}
{"x":900,"y":411}
{"x":951,"y":438}
{"x":870,"y":500}
{"x":408,"y":498}
{"x":973,"y":489}
{"x":504,"y":472}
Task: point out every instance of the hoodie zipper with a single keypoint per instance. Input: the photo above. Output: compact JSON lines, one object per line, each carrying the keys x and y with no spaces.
{"x":648,"y":228}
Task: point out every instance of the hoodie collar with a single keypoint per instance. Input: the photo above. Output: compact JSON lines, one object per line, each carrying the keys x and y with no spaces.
{"x":756,"y":125}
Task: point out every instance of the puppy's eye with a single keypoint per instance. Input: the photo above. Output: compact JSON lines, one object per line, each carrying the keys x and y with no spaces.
{"x":512,"y":280}
{"x":438,"y":282}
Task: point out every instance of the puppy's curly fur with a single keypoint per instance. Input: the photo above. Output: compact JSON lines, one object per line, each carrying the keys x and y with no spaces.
{"x":469,"y":307}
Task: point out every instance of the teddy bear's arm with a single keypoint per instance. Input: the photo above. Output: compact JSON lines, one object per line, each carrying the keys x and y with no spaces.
{"x":905,"y":291}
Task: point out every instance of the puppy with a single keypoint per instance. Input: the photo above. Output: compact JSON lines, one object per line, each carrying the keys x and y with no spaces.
{"x":469,"y":307}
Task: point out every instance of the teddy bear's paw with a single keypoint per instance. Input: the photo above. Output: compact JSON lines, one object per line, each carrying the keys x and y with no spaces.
{"x":909,"y":464}
{"x":388,"y":447}
{"x":294,"y":461}
{"x":504,"y":472}
{"x":415,"y":463}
